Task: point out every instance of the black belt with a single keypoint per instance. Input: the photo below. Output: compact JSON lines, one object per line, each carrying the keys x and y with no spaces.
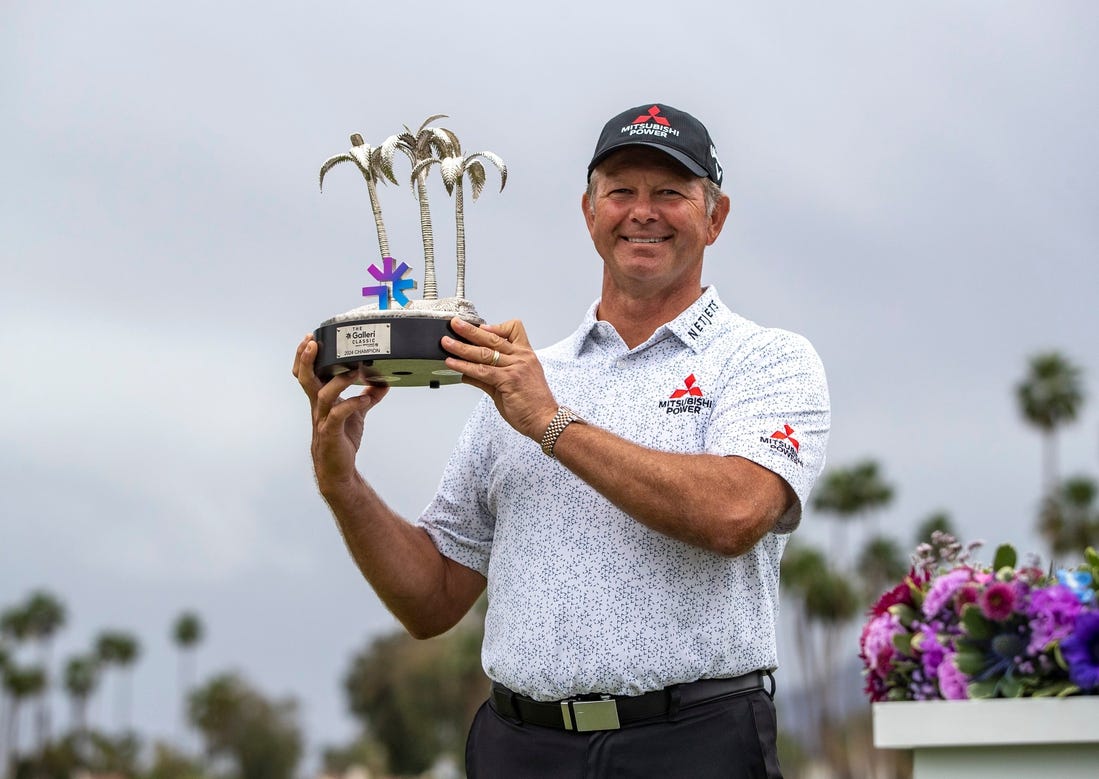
{"x":609,"y":712}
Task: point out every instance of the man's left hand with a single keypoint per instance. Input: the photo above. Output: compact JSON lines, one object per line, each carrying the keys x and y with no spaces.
{"x":500,"y":361}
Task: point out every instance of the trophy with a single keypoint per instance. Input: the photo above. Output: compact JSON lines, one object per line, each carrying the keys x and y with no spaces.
{"x":394,"y":339}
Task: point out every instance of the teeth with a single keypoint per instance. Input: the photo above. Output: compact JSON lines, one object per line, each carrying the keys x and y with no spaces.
{"x":645,"y":240}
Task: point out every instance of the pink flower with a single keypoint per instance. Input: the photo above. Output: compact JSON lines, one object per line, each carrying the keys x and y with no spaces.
{"x":876,"y":642}
{"x":943,"y":589}
{"x":952,"y":682}
{"x":902,"y":593}
{"x":965,"y":595}
{"x":998,"y":601}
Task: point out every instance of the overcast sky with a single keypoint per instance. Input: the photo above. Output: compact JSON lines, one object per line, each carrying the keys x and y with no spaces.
{"x":914,"y":189}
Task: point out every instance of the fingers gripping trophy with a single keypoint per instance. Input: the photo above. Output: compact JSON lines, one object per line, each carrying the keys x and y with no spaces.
{"x":393,"y":339}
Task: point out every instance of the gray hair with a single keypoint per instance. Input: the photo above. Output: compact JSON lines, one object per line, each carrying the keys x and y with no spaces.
{"x":711,"y":192}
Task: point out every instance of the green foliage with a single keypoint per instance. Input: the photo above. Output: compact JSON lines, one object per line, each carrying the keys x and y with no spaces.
{"x":115,"y":647}
{"x":939,"y":521}
{"x":848,"y":492}
{"x":1052,"y":391}
{"x":260,"y":737}
{"x":21,"y":683}
{"x":880,"y":563}
{"x":45,"y":615}
{"x":169,"y":763}
{"x":187,"y":630}
{"x":1069,"y":519}
{"x":975,"y":624}
{"x":832,"y":600}
{"x":1005,"y":557}
{"x":417,"y":698}
{"x":81,"y":676}
{"x":366,"y":752}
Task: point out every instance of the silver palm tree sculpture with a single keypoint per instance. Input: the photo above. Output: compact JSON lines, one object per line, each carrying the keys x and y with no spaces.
{"x":454,"y":169}
{"x":422,"y":144}
{"x":366,"y":159}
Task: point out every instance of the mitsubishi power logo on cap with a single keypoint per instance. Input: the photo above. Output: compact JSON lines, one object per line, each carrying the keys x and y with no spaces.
{"x":783,"y":441}
{"x":687,"y":399}
{"x":651,"y":123}
{"x":654,"y":114}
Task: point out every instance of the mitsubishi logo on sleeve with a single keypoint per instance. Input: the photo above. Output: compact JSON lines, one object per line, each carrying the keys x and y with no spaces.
{"x":783,"y":441}
{"x":787,"y":435}
{"x":652,"y":116}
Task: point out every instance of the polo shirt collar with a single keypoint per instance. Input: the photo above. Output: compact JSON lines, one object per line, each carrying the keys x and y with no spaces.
{"x":698,"y":325}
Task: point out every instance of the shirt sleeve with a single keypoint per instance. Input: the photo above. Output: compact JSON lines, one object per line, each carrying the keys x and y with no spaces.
{"x":458,"y":518}
{"x":775,"y":411}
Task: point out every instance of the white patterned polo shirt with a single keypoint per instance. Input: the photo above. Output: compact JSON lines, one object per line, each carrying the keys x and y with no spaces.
{"x":584,"y":599}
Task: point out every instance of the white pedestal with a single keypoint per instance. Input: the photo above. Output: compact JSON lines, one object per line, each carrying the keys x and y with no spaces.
{"x":991,"y":739}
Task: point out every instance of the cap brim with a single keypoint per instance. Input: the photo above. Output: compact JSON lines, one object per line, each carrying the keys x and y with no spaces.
{"x":675,"y":154}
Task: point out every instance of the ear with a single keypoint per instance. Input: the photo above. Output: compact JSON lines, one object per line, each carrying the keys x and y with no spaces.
{"x":717,"y":218}
{"x":585,"y":206}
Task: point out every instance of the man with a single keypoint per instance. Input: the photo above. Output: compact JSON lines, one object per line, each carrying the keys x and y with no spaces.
{"x":631,"y":546}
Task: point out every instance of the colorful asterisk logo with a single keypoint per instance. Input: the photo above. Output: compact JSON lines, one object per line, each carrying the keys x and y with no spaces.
{"x":391,"y":283}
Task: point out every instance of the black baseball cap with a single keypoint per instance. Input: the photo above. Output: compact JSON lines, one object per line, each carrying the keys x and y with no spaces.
{"x":674,"y":132}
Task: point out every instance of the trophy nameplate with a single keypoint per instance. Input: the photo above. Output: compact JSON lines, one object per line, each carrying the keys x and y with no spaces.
{"x":392,"y":339}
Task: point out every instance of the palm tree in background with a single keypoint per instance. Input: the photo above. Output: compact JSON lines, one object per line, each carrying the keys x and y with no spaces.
{"x":1050,"y":396}
{"x":454,"y":169}
{"x":939,"y":520}
{"x":366,"y":160}
{"x":20,"y":684}
{"x":119,"y":650}
{"x":1069,"y":520}
{"x":827,"y":602}
{"x":881,"y":564}
{"x":187,"y":633}
{"x":45,"y":615}
{"x":15,"y":626}
{"x":426,"y":142}
{"x":81,"y":679}
{"x":5,"y":663}
{"x":850,"y":494}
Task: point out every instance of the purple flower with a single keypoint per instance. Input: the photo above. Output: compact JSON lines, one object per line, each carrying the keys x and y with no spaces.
{"x":1052,"y":612}
{"x":998,"y":601}
{"x":952,"y":682}
{"x":1081,"y":651}
{"x":943,"y":589}
{"x":931,"y":651}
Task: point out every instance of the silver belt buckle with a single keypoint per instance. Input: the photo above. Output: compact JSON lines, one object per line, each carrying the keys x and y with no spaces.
{"x":584,"y":716}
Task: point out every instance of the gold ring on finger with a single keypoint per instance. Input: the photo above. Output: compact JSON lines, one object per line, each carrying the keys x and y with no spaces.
{"x":495,"y":357}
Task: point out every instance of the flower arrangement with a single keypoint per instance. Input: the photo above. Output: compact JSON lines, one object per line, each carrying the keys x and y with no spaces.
{"x":954,"y":629}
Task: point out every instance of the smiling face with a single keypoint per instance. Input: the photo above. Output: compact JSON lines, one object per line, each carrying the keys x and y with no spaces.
{"x":647,"y":217}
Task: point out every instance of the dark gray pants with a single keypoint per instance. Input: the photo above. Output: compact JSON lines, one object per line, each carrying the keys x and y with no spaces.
{"x":732,"y":738}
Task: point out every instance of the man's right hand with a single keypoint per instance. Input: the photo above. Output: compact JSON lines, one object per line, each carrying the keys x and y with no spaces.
{"x":337,"y":422}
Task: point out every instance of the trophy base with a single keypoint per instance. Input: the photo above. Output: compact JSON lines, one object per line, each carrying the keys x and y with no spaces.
{"x":401,"y":351}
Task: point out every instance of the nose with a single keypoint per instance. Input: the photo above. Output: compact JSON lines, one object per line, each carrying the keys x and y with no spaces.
{"x":643,"y":209}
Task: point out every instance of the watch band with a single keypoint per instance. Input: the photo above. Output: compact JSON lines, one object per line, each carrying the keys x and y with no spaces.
{"x":562,"y":419}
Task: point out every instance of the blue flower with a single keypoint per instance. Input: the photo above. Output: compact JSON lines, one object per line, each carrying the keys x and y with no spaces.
{"x":1079,"y":582}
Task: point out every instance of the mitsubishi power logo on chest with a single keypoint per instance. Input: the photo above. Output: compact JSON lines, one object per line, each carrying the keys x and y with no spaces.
{"x":783,"y":441}
{"x":651,"y":123}
{"x":688,"y":399}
